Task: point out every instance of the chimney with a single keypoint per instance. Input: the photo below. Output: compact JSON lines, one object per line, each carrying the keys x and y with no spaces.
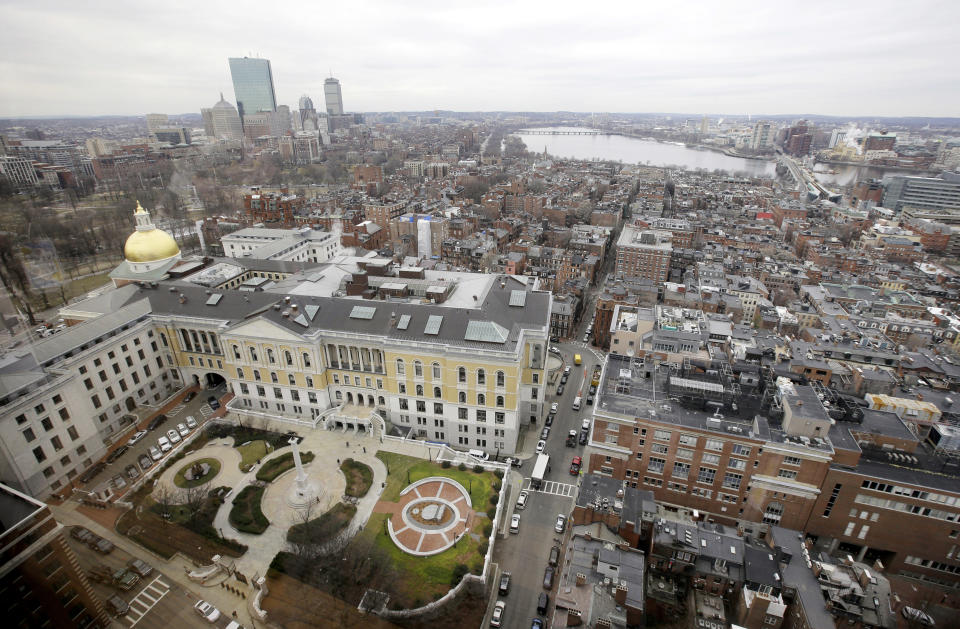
{"x":878,"y":565}
{"x":620,"y":594}
{"x":603,"y":623}
{"x":573,"y":618}
{"x":581,"y":579}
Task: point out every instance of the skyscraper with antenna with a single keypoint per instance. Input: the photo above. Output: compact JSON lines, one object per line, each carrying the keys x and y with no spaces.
{"x":333,"y":97}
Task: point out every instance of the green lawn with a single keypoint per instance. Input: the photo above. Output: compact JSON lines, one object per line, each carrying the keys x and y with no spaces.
{"x":246,"y":515}
{"x":359,"y":478}
{"x":324,"y":528}
{"x":280,"y":464}
{"x":180,"y":480}
{"x":252,"y":452}
{"x":401,"y":467}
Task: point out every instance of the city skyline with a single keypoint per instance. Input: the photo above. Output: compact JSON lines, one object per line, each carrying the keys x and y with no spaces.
{"x":738,"y":59}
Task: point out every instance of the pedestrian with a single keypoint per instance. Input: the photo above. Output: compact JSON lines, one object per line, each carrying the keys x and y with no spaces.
{"x":364,"y":449}
{"x":348,"y":444}
{"x":338,"y":461}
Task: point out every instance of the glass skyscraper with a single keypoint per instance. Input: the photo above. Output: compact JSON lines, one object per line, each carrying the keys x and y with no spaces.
{"x":253,"y":85}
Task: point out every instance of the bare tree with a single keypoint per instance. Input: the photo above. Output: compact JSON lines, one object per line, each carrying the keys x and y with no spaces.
{"x":193,"y":498}
{"x":164,"y":497}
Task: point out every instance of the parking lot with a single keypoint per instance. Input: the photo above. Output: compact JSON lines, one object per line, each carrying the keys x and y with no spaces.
{"x":156,"y":601}
{"x":136,"y":458}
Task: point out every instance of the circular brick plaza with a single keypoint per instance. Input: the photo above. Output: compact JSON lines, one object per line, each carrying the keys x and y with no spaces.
{"x":432,"y":514}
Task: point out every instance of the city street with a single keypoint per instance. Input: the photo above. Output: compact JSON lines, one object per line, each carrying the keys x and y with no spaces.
{"x":525,"y":554}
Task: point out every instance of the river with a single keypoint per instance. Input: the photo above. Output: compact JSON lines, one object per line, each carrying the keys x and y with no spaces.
{"x":630,"y":150}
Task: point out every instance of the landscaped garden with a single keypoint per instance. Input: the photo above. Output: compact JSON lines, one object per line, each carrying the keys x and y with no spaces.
{"x":276,"y":466}
{"x":403,"y":470}
{"x":359,"y":478}
{"x":251,"y":452}
{"x":246,"y":515}
{"x":323,"y":529}
{"x":197,"y":473}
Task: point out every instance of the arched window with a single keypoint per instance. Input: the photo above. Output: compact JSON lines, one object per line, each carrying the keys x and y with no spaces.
{"x":381,"y":401}
{"x":501,"y":379}
{"x":236,"y":352}
{"x":306,"y":359}
{"x":349,"y":397}
{"x":401,"y":368}
{"x":462,"y":398}
{"x":436,"y":371}
{"x":256,"y":375}
{"x":273,"y":377}
{"x":420,"y":390}
{"x":288,"y":358}
{"x":500,"y":401}
{"x":481,"y":378}
{"x":461,"y":374}
{"x":417,"y":369}
{"x":369,"y":400}
{"x":481,"y":399}
{"x":773,"y":513}
{"x":437,"y":392}
{"x":270,"y":357}
{"x":253,"y":354}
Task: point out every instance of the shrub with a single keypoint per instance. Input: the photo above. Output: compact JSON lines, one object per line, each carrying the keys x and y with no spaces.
{"x":498,"y":474}
{"x":462,"y":467}
{"x":487,"y":529}
{"x":478,"y":469}
{"x":458,"y":573}
{"x":482,"y":549}
{"x":445,"y":465}
{"x":494,"y":498}
{"x":492,"y":513}
{"x":496,"y":487}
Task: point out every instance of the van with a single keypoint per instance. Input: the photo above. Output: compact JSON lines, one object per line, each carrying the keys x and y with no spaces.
{"x":576,"y":403}
{"x":480,"y":454}
{"x":576,"y":359}
{"x":543,"y":601}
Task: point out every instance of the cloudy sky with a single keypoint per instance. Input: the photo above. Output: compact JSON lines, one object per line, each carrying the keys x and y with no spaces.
{"x":731,"y":57}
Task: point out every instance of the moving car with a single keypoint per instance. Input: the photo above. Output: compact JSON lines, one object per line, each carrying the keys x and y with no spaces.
{"x":140,"y":566}
{"x":554,"y":556}
{"x":577,"y":360}
{"x":183,"y":430}
{"x":155,"y":454}
{"x":156,"y":422}
{"x":513,"y":461}
{"x":505,"y":583}
{"x":540,"y":446}
{"x":554,"y":350}
{"x":137,"y":436}
{"x":548,"y":578}
{"x":575,"y":465}
{"x":191,"y":422}
{"x":515,"y":523}
{"x":576,"y":403}
{"x":173,"y":436}
{"x":522,"y":500}
{"x":116,"y":454}
{"x":561,"y":523}
{"x":164,"y":444}
{"x":571,"y":438}
{"x":207,"y":611}
{"x":496,"y":620}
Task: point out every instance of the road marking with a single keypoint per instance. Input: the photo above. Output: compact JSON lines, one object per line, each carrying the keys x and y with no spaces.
{"x":553,"y":488}
{"x":157,"y":588}
{"x":206,"y":411}
{"x":173,"y":412}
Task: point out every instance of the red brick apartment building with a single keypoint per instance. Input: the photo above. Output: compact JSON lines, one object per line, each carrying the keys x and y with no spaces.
{"x":744,"y":447}
{"x":266,"y":207}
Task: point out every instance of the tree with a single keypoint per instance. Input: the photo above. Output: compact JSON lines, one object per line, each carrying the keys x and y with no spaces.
{"x":14,"y":275}
{"x":193,"y":498}
{"x":163,"y":495}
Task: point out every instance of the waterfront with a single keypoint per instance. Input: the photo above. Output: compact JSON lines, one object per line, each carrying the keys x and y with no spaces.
{"x":646,"y":152}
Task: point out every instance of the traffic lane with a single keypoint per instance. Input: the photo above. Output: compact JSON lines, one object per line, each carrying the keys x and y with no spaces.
{"x":525,"y":556}
{"x":173,"y":608}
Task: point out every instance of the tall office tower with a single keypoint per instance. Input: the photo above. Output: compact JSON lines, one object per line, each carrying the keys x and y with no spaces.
{"x":253,"y":85}
{"x":762,"y":135}
{"x":331,"y":93}
{"x":309,"y":120}
{"x":155,"y":121}
{"x":206,"y":114}
{"x":837,"y":136}
{"x":226,"y":121}
{"x":704,"y":125}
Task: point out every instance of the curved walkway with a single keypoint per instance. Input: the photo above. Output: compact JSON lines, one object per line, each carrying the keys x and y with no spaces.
{"x":422,"y":538}
{"x":228,"y":476}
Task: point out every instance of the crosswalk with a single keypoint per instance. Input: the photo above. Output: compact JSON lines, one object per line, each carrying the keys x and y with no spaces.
{"x":173,"y":412}
{"x":553,"y":488}
{"x":206,"y":411}
{"x":145,"y":600}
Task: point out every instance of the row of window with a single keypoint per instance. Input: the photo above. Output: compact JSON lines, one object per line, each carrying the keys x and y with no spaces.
{"x":272,"y":356}
{"x":461,"y":395}
{"x":437,"y":373}
{"x":910,"y":492}
{"x":883,"y":503}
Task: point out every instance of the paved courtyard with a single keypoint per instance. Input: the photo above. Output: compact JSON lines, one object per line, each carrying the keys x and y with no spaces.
{"x":430,"y":516}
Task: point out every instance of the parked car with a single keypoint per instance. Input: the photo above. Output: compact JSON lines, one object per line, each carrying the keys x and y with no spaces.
{"x":173,"y":436}
{"x":560,"y":390}
{"x":522,"y":500}
{"x":116,"y":454}
{"x":593,"y":389}
{"x":131,"y":471}
{"x":505,"y":583}
{"x":164,"y":444}
{"x":118,"y":481}
{"x":189,"y":396}
{"x":548,"y":578}
{"x":117,"y":606}
{"x":155,"y":454}
{"x":137,"y":436}
{"x":536,"y":623}
{"x":515,"y":523}
{"x":145,"y":462}
{"x":548,"y":421}
{"x":571,"y":438}
{"x":585,"y":424}
{"x":554,"y":556}
{"x":81,"y":533}
{"x":125,"y":579}
{"x":214,"y":402}
{"x":496,"y":620}
{"x":584,"y":437}
{"x":141,"y":567}
{"x":191,"y":422}
{"x":513,"y":461}
{"x":575,"y":465}
{"x":545,"y":433}
{"x":183,"y":430}
{"x":566,"y":370}
{"x":590,"y":400}
{"x":100,"y":544}
{"x":918,"y":616}
{"x":554,"y":408}
{"x":88,"y":476}
{"x":561,"y":523}
{"x":540,"y":446}
{"x":207,"y":611}
{"x":564,"y":378}
{"x":156,"y":422}
{"x":543,"y":601}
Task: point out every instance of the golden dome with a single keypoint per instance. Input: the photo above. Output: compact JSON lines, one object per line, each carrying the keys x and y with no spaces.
{"x":150,"y":246}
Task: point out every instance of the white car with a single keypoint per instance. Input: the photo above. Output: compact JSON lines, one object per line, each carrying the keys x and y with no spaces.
{"x":183,"y":430}
{"x":191,"y":422}
{"x":515,"y":523}
{"x":207,"y":611}
{"x":522,"y":500}
{"x":137,"y":436}
{"x":566,"y":370}
{"x":540,"y":446}
{"x":554,"y":350}
{"x":585,"y":424}
{"x":918,"y":616}
{"x":496,"y":620}
{"x":155,"y":453}
{"x":164,"y":444}
{"x":561,"y":523}
{"x":554,"y":408}
{"x":173,"y":436}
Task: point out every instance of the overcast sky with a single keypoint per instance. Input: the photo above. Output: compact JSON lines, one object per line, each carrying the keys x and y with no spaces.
{"x":733,"y":57}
